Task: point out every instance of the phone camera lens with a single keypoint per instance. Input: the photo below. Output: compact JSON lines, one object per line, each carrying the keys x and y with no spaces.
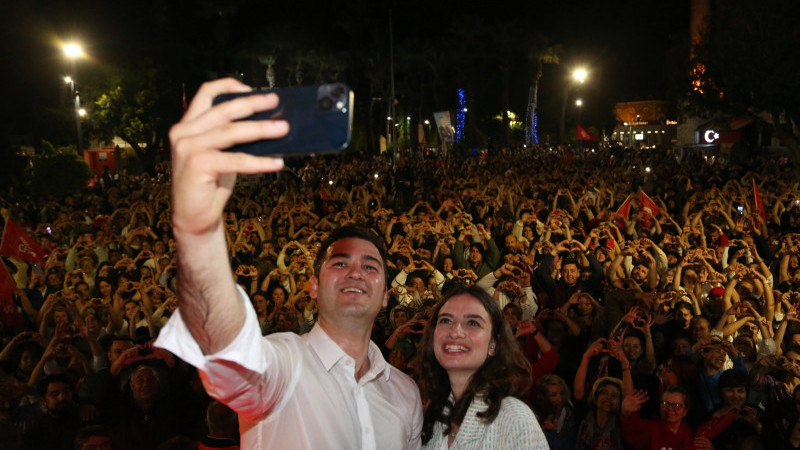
{"x":325,"y":104}
{"x":337,"y":91}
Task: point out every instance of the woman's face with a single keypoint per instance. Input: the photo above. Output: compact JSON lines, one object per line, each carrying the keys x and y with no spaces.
{"x":680,"y":346}
{"x":131,"y":308}
{"x":60,"y":316}
{"x":744,"y":346}
{"x":585,"y":306}
{"x":555,"y":396}
{"x":734,"y":397}
{"x":27,"y":361}
{"x":278,"y":296}
{"x":105,"y":288}
{"x":447,"y":265}
{"x":632,"y":347}
{"x":714,"y":358}
{"x":607,"y":398}
{"x":462,"y":339}
{"x":260,"y":304}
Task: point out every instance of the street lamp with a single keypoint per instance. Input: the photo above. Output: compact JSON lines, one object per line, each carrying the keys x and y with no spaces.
{"x":578,"y":76}
{"x":73,"y":51}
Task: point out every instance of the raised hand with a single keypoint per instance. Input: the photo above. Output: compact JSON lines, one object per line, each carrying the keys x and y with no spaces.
{"x":633,"y":402}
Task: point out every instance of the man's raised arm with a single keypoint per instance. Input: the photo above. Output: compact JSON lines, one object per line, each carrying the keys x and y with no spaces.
{"x":203,"y":177}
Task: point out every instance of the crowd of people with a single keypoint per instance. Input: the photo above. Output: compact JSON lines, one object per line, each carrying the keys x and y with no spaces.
{"x":674,"y":328}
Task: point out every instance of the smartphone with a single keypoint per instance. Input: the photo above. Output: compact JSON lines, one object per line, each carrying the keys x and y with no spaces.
{"x":320,"y":120}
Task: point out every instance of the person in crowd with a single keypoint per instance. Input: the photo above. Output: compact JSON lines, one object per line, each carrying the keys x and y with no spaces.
{"x":472,"y":373}
{"x":670,"y":431}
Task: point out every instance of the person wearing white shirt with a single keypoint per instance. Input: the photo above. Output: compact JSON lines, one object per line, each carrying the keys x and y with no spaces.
{"x":328,"y":389}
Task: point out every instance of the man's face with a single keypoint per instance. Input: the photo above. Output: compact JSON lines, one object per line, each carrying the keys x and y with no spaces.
{"x":475,"y":255}
{"x":117,"y":347}
{"x":351,"y":283}
{"x":58,"y":397}
{"x":794,"y":359}
{"x":570,"y":274}
{"x":640,"y":272}
{"x":144,"y":383}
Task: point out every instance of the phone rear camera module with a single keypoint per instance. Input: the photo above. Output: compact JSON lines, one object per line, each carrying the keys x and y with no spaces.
{"x":325,"y":104}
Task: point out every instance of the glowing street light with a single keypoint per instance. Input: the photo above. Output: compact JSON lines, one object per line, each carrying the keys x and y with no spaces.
{"x":579,"y":76}
{"x":73,"y":51}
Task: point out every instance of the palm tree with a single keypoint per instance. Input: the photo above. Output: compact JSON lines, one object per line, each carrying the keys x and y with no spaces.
{"x":269,"y":61}
{"x":538,"y":57}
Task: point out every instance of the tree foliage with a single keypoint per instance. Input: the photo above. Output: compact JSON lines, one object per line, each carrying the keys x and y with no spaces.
{"x":748,"y":64}
{"x":57,"y":171}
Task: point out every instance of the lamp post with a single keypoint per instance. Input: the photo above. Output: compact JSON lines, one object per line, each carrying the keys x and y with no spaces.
{"x":73,"y":51}
{"x":578,"y":76}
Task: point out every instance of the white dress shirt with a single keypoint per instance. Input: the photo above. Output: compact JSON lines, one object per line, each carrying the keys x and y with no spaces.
{"x":300,"y":392}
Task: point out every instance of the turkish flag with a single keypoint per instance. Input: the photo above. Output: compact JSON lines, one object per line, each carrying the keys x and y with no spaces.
{"x":758,"y":204}
{"x":584,"y":135}
{"x":8,"y":310}
{"x":19,"y":245}
{"x":624,"y":210}
{"x":648,"y":205}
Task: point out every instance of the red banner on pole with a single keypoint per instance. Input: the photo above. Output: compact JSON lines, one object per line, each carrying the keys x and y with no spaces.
{"x":584,"y":135}
{"x":758,"y":204}
{"x":647,"y":204}
{"x":17,"y":244}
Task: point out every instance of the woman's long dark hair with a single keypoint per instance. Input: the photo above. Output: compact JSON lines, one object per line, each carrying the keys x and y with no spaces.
{"x":507,"y":373}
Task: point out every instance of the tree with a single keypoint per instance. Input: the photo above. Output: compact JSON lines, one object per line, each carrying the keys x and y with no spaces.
{"x":134,"y":108}
{"x":57,"y":172}
{"x":748,"y":64}
{"x":539,"y":55}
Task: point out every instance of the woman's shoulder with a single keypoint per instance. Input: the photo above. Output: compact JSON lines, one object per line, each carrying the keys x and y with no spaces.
{"x":513,"y":409}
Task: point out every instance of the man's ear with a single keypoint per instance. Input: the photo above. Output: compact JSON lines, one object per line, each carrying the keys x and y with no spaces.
{"x":313,"y":285}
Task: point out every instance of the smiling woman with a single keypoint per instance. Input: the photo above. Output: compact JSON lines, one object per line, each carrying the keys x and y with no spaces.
{"x":471,"y":372}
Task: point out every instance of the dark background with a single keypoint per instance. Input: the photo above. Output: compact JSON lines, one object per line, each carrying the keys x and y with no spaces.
{"x":633,"y":50}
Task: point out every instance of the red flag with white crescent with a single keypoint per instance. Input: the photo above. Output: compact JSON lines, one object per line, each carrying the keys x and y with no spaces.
{"x":647,"y":204}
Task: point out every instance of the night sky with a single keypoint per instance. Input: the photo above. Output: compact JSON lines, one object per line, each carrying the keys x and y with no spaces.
{"x":633,"y":50}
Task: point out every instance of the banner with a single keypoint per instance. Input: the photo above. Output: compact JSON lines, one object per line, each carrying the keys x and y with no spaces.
{"x":758,"y":204}
{"x":583,"y":135}
{"x":445,"y":127}
{"x":624,"y":210}
{"x":648,"y":205}
{"x":17,"y":244}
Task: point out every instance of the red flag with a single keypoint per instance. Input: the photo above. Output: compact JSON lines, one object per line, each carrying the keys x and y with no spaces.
{"x":624,"y":210}
{"x":758,"y":204}
{"x":584,"y":135}
{"x":648,"y":205}
{"x":8,"y":310}
{"x":19,"y":245}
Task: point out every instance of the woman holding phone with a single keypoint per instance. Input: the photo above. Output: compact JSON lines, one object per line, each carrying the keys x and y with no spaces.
{"x":471,"y":375}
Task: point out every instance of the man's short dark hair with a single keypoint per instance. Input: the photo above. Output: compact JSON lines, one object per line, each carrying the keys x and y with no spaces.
{"x":54,"y":378}
{"x":733,"y":378}
{"x":90,"y":431}
{"x":352,"y":231}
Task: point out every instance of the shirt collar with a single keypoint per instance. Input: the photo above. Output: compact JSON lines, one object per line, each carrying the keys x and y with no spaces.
{"x":329,"y":353}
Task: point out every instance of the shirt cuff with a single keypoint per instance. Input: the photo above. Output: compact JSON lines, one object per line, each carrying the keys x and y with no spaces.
{"x":176,"y":338}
